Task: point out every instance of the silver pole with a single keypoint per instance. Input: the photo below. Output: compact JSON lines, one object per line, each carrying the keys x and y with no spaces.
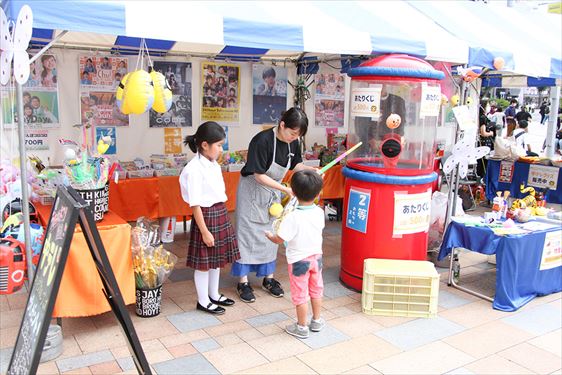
{"x":23,"y":177}
{"x":551,"y":125}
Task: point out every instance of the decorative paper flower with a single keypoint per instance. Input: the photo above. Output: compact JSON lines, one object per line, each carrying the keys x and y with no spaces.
{"x":463,"y":152}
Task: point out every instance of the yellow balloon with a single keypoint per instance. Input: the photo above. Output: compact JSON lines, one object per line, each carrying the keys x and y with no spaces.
{"x":276,"y":209}
{"x":102,"y":147}
{"x":455,"y":99}
{"x":119,"y":94}
{"x":499,"y":63}
{"x":162,"y":93}
{"x":469,"y":100}
{"x":444,"y":99}
{"x":138,"y":94}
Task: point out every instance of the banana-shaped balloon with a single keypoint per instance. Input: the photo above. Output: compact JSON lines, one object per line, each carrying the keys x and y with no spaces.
{"x":162,"y":92}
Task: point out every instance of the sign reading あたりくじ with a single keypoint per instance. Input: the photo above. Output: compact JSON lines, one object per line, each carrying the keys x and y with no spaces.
{"x":411,"y":213}
{"x":365,"y":101}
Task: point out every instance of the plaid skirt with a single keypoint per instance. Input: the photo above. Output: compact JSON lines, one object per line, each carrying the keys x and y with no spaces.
{"x":203,"y":258}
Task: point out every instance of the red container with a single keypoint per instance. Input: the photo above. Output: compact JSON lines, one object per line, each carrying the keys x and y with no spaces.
{"x":380,"y":236}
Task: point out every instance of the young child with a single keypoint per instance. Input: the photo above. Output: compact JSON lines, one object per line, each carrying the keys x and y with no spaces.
{"x":302,"y":230}
{"x":212,"y":241}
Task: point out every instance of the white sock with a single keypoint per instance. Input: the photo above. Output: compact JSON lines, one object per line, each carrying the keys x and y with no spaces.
{"x":201,"y":279}
{"x":214,"y":276}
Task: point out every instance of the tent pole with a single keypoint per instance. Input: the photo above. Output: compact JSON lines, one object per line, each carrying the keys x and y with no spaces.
{"x":23,"y":178}
{"x":551,"y":125}
{"x":49,"y":45}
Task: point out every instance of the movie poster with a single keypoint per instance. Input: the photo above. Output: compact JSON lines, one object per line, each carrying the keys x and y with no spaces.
{"x":329,"y":101}
{"x":102,"y":72}
{"x":178,"y":76}
{"x":40,"y":97}
{"x":270,"y":93}
{"x":220,"y":92}
{"x":99,"y":108}
{"x":40,"y":109}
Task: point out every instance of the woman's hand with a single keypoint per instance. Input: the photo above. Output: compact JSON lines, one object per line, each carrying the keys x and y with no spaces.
{"x":208,"y":239}
{"x":287,"y":190}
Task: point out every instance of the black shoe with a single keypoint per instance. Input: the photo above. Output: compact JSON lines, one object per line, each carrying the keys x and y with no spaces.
{"x":216,"y":311}
{"x":273,"y":287}
{"x":222,"y":301}
{"x":246,"y":292}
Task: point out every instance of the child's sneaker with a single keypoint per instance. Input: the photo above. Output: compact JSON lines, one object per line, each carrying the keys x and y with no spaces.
{"x":246,"y":292}
{"x":317,"y":325}
{"x":297,"y":331}
{"x":273,"y":287}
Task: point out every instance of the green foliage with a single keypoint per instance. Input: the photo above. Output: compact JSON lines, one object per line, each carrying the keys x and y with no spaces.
{"x":500,"y":102}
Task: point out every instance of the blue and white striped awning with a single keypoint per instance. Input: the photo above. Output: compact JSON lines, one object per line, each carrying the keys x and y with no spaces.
{"x":529,"y":42}
{"x":505,"y":80}
{"x":246,"y":29}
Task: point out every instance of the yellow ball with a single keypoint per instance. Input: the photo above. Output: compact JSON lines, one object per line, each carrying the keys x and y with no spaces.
{"x":162,"y":93}
{"x":138,"y":94}
{"x":469,"y":100}
{"x":444,"y":99}
{"x":455,"y":99}
{"x":276,"y":209}
{"x":119,"y":94}
{"x":499,"y":63}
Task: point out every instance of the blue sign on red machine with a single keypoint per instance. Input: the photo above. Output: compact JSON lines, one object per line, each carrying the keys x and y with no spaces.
{"x":358,"y":209}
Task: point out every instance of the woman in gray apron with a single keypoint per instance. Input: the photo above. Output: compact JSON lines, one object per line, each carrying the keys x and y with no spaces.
{"x":270,"y":155}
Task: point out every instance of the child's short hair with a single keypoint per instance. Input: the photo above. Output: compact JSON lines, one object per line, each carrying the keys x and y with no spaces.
{"x":306,"y":185}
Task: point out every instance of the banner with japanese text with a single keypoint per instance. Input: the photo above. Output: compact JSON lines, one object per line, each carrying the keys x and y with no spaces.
{"x":411,"y":213}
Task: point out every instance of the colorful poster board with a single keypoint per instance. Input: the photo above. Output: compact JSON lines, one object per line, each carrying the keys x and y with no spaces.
{"x":220,"y":92}
{"x":179,"y":77}
{"x":552,"y":251}
{"x":329,"y":102}
{"x":269,"y":85}
{"x":543,"y":177}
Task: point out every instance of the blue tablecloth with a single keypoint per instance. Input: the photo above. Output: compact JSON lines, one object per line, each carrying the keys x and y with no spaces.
{"x":520,"y":174}
{"x":518,"y":258}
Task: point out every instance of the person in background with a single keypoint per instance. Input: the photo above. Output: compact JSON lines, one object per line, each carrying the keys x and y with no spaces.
{"x":520,"y":137}
{"x":302,"y":229}
{"x":212,"y":240}
{"x":498,"y":120}
{"x":271,"y":154}
{"x":510,"y":113}
{"x":487,"y":134}
{"x":523,"y":115}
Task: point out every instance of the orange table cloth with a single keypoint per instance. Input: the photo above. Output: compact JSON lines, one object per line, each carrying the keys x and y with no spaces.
{"x":80,"y":292}
{"x":157,"y":197}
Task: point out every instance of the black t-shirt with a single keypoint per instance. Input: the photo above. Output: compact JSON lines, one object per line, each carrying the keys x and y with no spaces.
{"x":260,"y":153}
{"x":523,"y":115}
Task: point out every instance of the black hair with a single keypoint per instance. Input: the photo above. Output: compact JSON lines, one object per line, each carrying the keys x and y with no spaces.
{"x":295,"y":118}
{"x":269,"y":72}
{"x":499,"y":108}
{"x":28,"y":106}
{"x":306,"y":184}
{"x":513,"y":101}
{"x":209,"y":132}
{"x":34,"y":97}
{"x":523,"y":124}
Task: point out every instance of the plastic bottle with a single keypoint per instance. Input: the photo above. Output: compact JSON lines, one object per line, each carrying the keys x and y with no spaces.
{"x":497,"y":204}
{"x":505,"y":206}
{"x":456,"y":269}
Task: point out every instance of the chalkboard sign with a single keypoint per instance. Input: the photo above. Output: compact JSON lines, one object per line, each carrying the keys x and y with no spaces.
{"x":68,"y":210}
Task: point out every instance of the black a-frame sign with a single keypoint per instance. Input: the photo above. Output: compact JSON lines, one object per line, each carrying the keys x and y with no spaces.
{"x":68,"y":210}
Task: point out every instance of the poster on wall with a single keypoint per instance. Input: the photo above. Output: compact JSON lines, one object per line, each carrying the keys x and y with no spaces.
{"x":220,"y":91}
{"x":178,"y":76}
{"x":43,"y":73}
{"x":100,"y":108}
{"x":329,"y":100}
{"x":269,"y":84}
{"x":411,"y":213}
{"x":36,"y":140}
{"x":101,"y":72}
{"x":104,"y":132}
{"x":172,"y":140}
{"x":40,"y":109}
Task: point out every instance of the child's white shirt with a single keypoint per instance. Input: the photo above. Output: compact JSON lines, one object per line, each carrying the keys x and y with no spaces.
{"x":201,"y":182}
{"x":302,"y":229}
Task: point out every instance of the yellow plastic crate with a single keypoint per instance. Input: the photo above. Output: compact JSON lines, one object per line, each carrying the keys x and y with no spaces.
{"x":407,"y":288}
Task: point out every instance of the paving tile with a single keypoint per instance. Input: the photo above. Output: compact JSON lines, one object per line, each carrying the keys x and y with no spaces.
{"x":551,"y":342}
{"x":229,"y":359}
{"x":266,"y":304}
{"x":328,"y":336}
{"x":266,"y":319}
{"x":193,"y":364}
{"x":158,"y":356}
{"x":278,"y":346}
{"x":532,"y":358}
{"x":460,"y":371}
{"x":348,"y":355}
{"x":110,"y":367}
{"x":419,"y":332}
{"x":8,"y":337}
{"x":355,"y":325}
{"x":495,"y":364}
{"x":154,"y":328}
{"x":183,"y":338}
{"x":79,"y":371}
{"x":249,"y":334}
{"x":473,"y":314}
{"x":126,"y":363}
{"x":363,"y":370}
{"x":104,"y":338}
{"x":205,"y":345}
{"x":337,"y":302}
{"x":192,"y":320}
{"x":182,"y":350}
{"x":47,"y":368}
{"x":270,"y":329}
{"x":388,"y":321}
{"x":85,"y":360}
{"x":181,"y":274}
{"x":228,"y":339}
{"x":330,"y":275}
{"x":450,"y":301}
{"x":538,"y":320}
{"x":227,"y":328}
{"x":335,"y":290}
{"x":11,"y":318}
{"x":434,"y":358}
{"x":288,"y":366}
{"x":487,"y":339}
{"x":239,"y":311}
